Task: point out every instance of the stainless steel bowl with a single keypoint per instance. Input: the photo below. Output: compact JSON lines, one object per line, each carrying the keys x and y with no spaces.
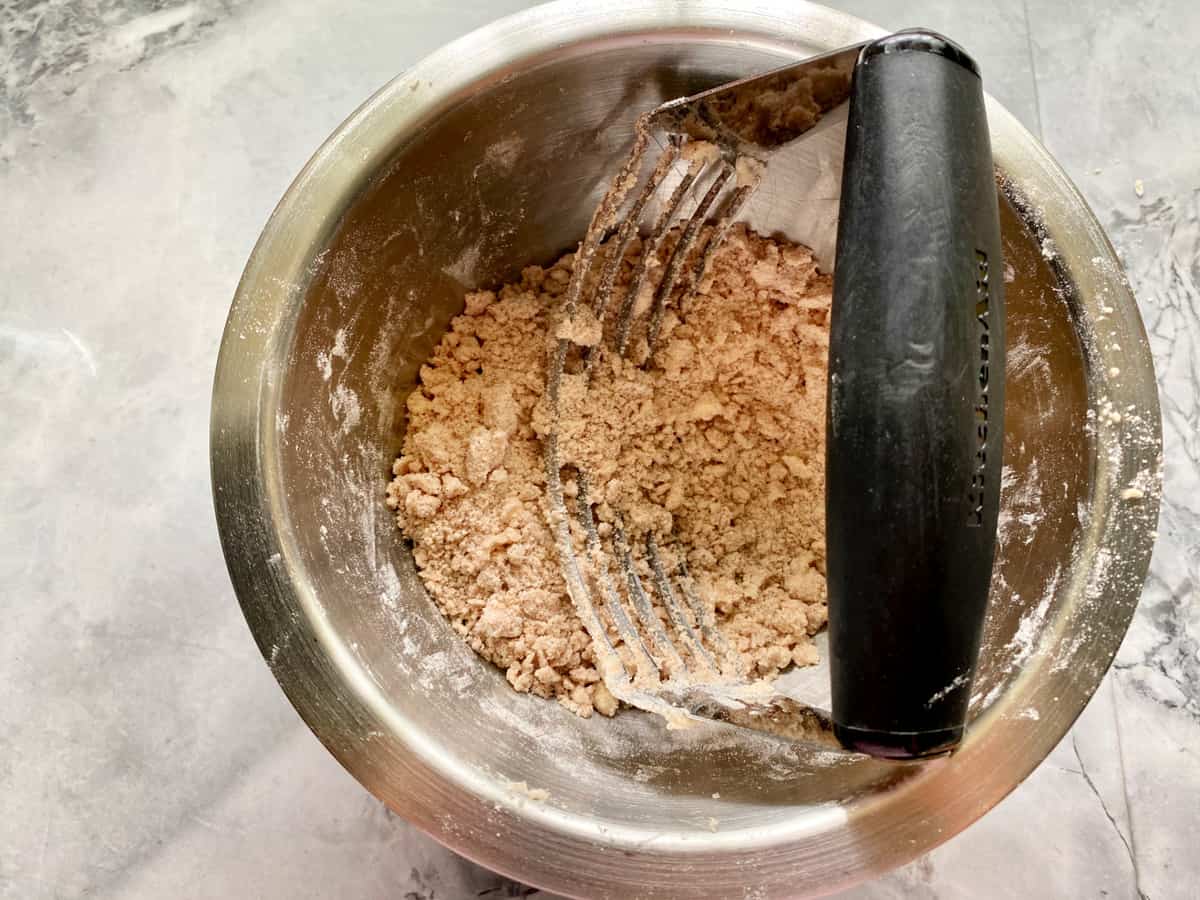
{"x":489,"y":154}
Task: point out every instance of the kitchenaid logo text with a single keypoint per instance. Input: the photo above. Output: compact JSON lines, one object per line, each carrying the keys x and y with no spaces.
{"x":979,"y":487}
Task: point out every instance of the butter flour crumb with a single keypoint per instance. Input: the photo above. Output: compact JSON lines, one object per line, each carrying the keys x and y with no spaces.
{"x":717,"y":449}
{"x":522,"y":789}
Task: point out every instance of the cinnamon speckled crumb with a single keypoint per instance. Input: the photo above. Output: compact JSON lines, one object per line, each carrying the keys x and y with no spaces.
{"x":717,"y":448}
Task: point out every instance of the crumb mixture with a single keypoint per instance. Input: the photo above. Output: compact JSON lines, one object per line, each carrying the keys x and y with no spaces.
{"x":717,"y":448}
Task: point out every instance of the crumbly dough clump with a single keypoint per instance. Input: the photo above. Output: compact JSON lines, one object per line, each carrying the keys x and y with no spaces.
{"x":717,"y":448}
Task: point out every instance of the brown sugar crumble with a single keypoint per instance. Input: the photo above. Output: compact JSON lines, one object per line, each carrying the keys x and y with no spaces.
{"x":716,"y":447}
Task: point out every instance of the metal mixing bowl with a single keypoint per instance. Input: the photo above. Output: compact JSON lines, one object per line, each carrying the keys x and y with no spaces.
{"x":490,"y":154}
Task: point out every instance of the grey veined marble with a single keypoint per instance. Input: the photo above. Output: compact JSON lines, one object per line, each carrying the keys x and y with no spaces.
{"x":145,"y":750}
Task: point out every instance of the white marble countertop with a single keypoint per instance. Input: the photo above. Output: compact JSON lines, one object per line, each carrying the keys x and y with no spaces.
{"x":145,"y":749}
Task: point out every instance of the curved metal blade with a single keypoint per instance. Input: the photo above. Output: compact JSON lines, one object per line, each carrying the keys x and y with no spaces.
{"x":764,"y":111}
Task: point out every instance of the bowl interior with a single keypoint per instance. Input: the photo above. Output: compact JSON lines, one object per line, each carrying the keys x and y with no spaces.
{"x":506,"y":175}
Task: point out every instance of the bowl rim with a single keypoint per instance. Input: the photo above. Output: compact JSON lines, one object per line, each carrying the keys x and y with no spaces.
{"x":336,"y":698}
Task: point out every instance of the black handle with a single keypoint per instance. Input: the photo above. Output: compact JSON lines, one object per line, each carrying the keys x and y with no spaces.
{"x":916,"y":399}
